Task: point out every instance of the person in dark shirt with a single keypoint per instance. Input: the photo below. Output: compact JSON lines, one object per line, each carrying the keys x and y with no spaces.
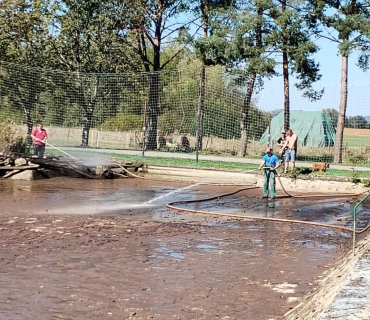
{"x":280,"y":143}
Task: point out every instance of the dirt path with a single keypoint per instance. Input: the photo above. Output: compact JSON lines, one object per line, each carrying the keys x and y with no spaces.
{"x":146,"y":262}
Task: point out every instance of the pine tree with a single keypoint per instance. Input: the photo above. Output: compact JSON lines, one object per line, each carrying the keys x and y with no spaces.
{"x":350,"y":20}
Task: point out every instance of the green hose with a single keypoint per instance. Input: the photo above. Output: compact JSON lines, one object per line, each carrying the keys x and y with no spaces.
{"x":354,"y":220}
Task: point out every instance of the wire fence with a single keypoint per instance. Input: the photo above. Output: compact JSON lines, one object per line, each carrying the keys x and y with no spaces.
{"x":185,"y":111}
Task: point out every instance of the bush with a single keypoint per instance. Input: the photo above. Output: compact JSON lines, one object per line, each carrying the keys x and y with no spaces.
{"x":366,"y":183}
{"x":11,"y":141}
{"x":123,"y":122}
{"x":355,"y":176}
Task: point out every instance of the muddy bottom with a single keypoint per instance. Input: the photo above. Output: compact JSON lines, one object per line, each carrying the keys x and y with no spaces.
{"x":90,"y":249}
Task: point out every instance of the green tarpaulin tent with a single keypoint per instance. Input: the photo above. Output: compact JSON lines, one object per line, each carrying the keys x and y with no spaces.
{"x":313,"y":128}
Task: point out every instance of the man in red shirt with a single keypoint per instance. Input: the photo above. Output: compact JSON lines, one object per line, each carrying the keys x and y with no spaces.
{"x":39,"y":137}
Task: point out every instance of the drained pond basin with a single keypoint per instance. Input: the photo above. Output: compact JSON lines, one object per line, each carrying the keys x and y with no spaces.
{"x":110,"y":249}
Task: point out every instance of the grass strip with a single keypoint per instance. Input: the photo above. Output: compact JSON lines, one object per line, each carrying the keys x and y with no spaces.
{"x":350,"y":175}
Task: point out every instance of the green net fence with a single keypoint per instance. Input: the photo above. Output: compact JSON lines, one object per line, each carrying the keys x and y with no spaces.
{"x":179,"y":111}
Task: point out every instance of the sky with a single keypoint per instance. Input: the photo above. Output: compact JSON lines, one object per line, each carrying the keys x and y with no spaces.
{"x":358,"y":102}
{"x":271,"y":97}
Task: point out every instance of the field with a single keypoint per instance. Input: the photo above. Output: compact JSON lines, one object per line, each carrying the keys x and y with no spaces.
{"x":357,"y":138}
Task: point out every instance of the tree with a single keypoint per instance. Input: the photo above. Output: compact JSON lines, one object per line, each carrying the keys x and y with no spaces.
{"x":293,"y":41}
{"x":152,"y":23}
{"x":333,"y":115}
{"x":207,"y":8}
{"x":23,"y":31}
{"x":251,"y":45}
{"x":350,"y":20}
{"x":239,"y":41}
{"x":357,"y":122}
{"x":83,"y":43}
{"x":251,"y":37}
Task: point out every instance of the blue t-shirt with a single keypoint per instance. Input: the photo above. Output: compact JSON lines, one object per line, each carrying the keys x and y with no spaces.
{"x":270,"y":161}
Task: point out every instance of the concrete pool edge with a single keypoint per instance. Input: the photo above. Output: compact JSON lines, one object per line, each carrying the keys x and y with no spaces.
{"x":250,"y":178}
{"x":312,"y":306}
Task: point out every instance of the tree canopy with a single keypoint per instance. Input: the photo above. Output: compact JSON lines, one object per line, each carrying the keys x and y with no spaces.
{"x":140,"y":41}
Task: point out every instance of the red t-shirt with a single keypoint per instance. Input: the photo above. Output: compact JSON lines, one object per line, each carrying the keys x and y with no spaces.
{"x":39,"y":135}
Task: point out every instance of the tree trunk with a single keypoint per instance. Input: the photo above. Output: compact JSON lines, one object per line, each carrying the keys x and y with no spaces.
{"x":285,"y":73}
{"x":199,"y":134}
{"x":87,"y":127}
{"x":27,"y":111}
{"x":87,"y":97}
{"x":204,"y":8}
{"x":286,"y":92}
{"x":248,"y":97}
{"x":342,"y":112}
{"x":153,"y":103}
{"x":244,"y":120}
{"x":153,"y":111}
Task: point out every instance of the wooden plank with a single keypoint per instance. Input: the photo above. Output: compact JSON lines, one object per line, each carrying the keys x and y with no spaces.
{"x":10,"y":173}
{"x":18,"y":168}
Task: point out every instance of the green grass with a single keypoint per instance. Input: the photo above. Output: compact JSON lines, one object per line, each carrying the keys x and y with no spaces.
{"x":189,"y":163}
{"x":352,"y":141}
{"x":350,"y":174}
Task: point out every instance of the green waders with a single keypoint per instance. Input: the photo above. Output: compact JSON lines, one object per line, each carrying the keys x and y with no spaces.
{"x":269,"y":178}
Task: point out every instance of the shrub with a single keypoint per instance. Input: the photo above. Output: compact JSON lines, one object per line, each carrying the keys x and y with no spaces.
{"x":11,"y":141}
{"x":123,"y":122}
{"x":355,"y":176}
{"x":366,"y":183}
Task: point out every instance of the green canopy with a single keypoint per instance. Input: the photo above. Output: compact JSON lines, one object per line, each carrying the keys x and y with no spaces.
{"x":313,"y":128}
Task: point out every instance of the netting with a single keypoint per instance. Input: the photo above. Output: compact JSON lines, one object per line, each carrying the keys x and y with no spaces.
{"x":175,"y":111}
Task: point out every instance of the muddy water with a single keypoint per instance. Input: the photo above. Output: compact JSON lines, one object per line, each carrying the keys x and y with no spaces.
{"x":330,"y":211}
{"x":111,"y":250}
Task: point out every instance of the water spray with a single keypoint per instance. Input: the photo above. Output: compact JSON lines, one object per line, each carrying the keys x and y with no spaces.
{"x":69,"y":155}
{"x":50,"y":145}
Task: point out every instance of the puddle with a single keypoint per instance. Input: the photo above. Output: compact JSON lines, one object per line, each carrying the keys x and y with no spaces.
{"x":163,"y":250}
{"x":311,"y":244}
{"x":326,"y":211}
{"x":285,"y":288}
{"x":206,"y":247}
{"x":177,"y":256}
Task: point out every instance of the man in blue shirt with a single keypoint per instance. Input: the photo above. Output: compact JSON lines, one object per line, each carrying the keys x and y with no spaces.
{"x":269,"y":163}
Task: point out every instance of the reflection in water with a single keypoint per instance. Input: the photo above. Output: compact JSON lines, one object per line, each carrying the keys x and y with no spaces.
{"x":162,"y":251}
{"x":269,"y":208}
{"x":328,"y":211}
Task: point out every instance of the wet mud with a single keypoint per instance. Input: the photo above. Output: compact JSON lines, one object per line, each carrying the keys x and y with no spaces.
{"x":83,"y":249}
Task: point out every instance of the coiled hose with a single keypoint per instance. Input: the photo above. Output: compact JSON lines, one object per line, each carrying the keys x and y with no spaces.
{"x":173,"y":206}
